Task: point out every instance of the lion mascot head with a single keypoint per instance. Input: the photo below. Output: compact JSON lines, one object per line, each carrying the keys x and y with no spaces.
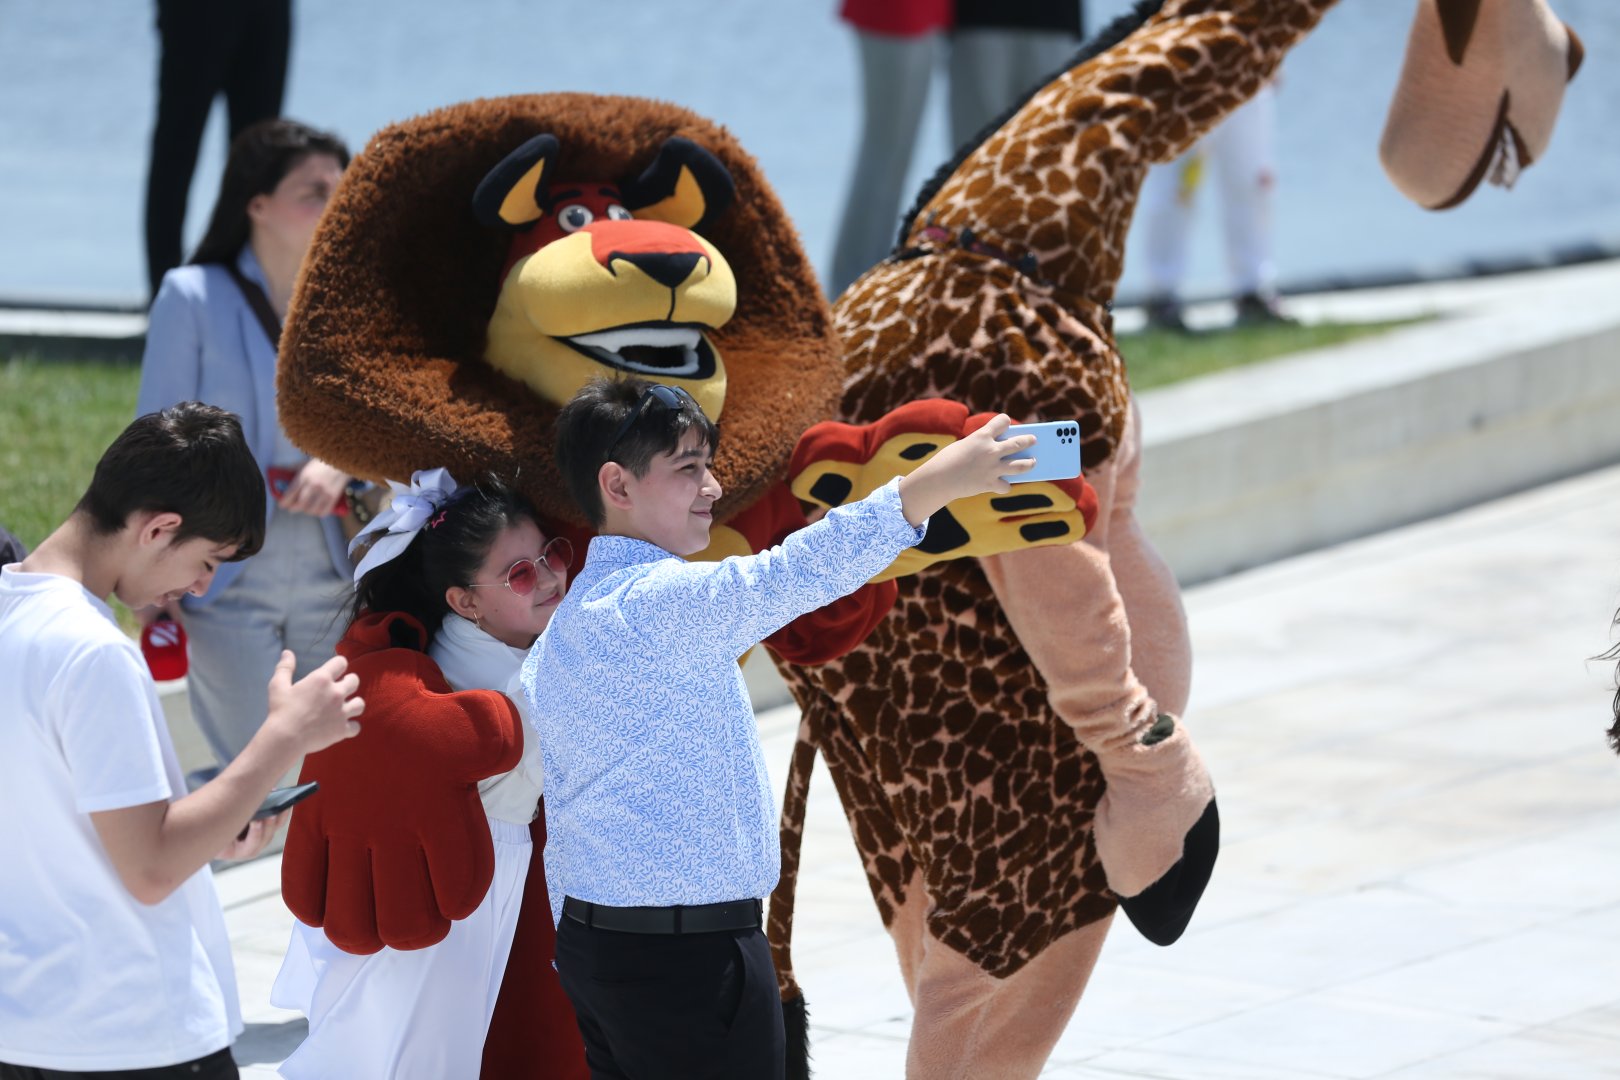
{"x":481,"y":263}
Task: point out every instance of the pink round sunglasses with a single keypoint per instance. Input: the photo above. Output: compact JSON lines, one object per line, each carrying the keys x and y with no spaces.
{"x":523,"y":575}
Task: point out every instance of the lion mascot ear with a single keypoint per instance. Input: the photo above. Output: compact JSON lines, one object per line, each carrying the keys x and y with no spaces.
{"x":685,"y":185}
{"x":514,"y":193}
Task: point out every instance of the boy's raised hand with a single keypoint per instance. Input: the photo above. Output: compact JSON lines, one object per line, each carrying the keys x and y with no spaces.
{"x":836,"y":463}
{"x":317,"y":710}
{"x":972,"y":465}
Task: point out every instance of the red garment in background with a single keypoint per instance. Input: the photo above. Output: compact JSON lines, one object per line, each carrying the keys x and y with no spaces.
{"x":900,"y":18}
{"x":913,"y":18}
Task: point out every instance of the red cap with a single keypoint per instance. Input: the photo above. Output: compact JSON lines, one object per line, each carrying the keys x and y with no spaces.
{"x":163,"y":643}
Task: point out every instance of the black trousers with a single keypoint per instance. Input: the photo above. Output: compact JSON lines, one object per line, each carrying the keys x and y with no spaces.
{"x":209,"y":47}
{"x":216,"y":1066}
{"x":681,"y":1006}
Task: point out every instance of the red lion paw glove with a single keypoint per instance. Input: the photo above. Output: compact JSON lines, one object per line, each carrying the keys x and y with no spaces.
{"x":395,"y":845}
{"x":838,"y":463}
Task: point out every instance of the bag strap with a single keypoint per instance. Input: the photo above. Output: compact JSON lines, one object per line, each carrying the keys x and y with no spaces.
{"x":259,"y":302}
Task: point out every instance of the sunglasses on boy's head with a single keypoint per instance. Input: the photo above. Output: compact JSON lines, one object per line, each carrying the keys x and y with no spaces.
{"x":669,"y":398}
{"x":523,"y":575}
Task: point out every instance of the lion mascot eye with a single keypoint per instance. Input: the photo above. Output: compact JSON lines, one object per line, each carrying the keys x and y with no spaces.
{"x":574,"y":218}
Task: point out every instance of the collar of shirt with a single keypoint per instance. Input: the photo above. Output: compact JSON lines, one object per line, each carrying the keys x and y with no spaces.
{"x":613,"y":552}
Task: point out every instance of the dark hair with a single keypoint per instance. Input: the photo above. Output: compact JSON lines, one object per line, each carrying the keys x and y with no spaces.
{"x":261,"y":156}
{"x":587,"y":425}
{"x":1614,"y":654}
{"x":445,"y":554}
{"x":189,"y":459}
{"x":11,"y":549}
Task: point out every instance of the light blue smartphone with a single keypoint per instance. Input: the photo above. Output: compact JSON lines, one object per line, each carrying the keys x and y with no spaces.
{"x":1056,"y":451}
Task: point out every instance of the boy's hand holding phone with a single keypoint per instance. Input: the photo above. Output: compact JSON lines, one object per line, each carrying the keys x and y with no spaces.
{"x":977,"y":463}
{"x":269,"y":816}
{"x":254,"y":838}
{"x":838,"y":463}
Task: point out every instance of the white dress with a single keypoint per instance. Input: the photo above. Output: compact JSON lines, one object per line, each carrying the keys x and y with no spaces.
{"x":421,"y":1014}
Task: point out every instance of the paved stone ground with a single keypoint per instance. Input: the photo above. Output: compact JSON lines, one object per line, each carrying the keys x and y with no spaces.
{"x":1421,"y":827}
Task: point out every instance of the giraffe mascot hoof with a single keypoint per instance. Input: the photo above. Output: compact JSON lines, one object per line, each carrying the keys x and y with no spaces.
{"x":1478,"y":96}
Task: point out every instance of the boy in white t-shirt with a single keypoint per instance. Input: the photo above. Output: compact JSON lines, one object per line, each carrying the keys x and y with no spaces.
{"x":113,"y":950}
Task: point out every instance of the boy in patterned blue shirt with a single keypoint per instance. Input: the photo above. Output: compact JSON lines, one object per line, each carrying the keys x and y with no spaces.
{"x":661,"y":828}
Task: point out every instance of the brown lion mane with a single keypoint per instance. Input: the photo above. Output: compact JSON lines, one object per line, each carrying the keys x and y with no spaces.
{"x":381,"y":369}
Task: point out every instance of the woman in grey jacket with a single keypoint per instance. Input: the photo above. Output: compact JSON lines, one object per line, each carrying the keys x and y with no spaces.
{"x":212,"y":337}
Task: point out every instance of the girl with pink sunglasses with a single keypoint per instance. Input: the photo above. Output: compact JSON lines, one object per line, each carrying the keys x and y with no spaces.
{"x":466,"y":575}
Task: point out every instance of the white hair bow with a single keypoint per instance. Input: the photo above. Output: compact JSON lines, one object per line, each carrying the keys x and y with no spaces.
{"x":414,"y":506}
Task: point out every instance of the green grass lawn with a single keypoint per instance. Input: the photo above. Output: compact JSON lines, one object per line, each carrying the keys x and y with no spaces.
{"x":1158,"y":357}
{"x":57,"y":417}
{"x":55,"y":421}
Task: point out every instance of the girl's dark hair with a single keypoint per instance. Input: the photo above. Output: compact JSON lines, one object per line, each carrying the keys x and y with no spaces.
{"x":588,"y":423}
{"x":447,"y":553}
{"x":260,"y":157}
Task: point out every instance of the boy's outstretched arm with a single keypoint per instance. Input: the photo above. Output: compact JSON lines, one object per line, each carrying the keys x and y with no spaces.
{"x":156,"y":846}
{"x":732,"y":605}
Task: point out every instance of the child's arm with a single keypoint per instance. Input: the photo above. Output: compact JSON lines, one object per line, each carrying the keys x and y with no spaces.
{"x":156,"y":846}
{"x":735,"y":604}
{"x":970,"y":466}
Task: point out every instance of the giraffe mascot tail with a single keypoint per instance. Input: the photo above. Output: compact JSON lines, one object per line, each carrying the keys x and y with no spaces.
{"x":1008,"y":744}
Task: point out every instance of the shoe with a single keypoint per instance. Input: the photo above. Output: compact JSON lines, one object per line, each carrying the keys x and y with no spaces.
{"x":1164,"y":313}
{"x":1254,"y":309}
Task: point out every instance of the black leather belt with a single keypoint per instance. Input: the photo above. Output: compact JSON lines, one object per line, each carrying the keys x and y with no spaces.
{"x":696,"y":919}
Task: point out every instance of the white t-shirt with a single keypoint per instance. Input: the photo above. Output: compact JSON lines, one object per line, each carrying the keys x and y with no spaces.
{"x":90,"y":978}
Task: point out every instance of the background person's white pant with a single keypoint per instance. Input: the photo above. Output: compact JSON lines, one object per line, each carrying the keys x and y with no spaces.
{"x":407,"y":1014}
{"x":288,"y":596}
{"x":1240,"y":153}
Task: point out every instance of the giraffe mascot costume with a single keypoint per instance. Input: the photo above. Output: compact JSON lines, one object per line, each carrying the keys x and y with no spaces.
{"x":1007,"y":744}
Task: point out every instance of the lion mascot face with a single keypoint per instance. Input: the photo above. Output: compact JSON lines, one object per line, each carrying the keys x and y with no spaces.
{"x":481,"y":263}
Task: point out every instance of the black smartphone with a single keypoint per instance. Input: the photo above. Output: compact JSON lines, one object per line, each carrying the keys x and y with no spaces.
{"x":280,"y":799}
{"x":283,"y":797}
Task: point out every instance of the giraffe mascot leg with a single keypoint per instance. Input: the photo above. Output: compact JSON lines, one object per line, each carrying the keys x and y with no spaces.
{"x":1007,"y":744}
